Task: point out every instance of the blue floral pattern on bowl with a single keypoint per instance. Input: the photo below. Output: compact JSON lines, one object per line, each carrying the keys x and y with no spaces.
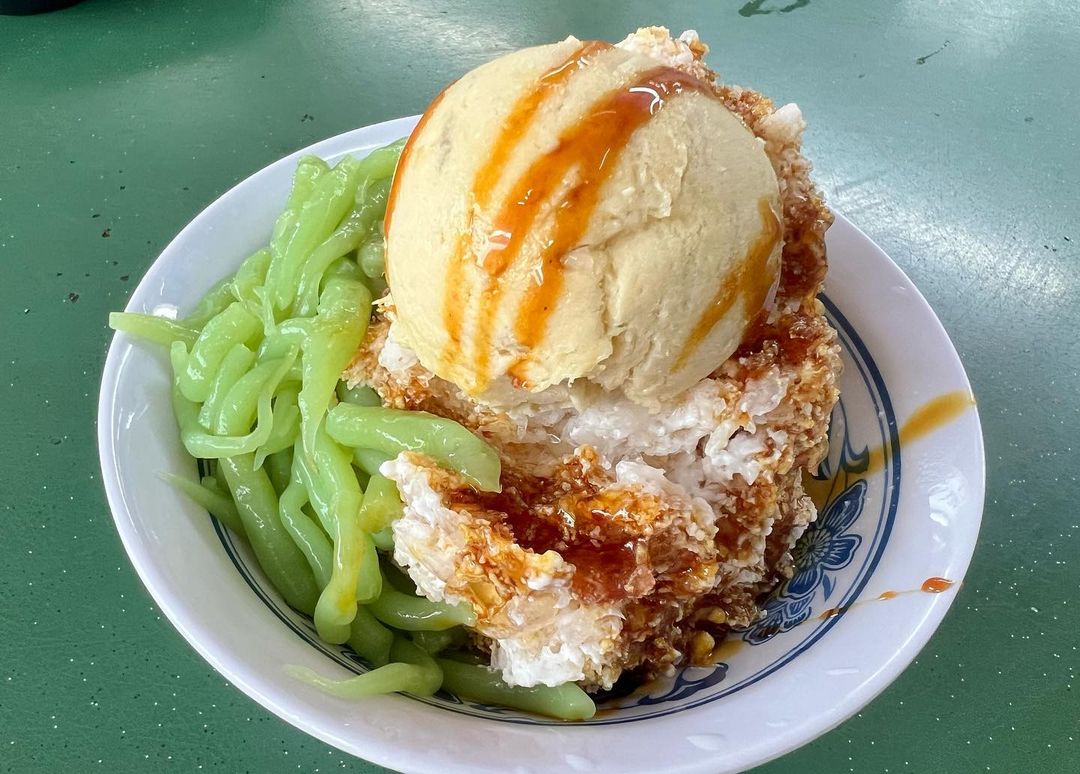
{"x":828,"y":545}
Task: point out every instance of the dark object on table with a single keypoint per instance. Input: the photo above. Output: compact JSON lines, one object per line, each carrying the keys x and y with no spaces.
{"x":26,"y":7}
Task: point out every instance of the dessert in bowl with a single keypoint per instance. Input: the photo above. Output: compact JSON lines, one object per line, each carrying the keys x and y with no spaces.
{"x":603,"y":267}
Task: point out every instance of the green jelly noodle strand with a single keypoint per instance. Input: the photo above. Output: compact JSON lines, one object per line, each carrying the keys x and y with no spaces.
{"x":384,"y":540}
{"x":319,"y":552}
{"x":332,"y":340}
{"x":371,"y":202}
{"x":341,"y":500}
{"x":370,"y":580}
{"x":156,"y":329}
{"x":317,"y":489}
{"x":211,"y":305}
{"x":217,"y":504}
{"x":369,"y":460}
{"x":210,"y":482}
{"x":411,"y":613}
{"x":279,"y":467}
{"x":238,"y":408}
{"x":436,"y":642}
{"x":381,"y":504}
{"x":278,"y":555}
{"x":479,"y":683}
{"x":236,"y":363}
{"x":369,"y":638}
{"x":308,"y":171}
{"x":307,"y":535}
{"x":281,"y":339}
{"x":380,"y":163}
{"x":249,"y":397}
{"x":332,"y":197}
{"x":345,"y":268}
{"x":414,"y":671}
{"x":251,"y":275}
{"x":236,"y":325}
{"x":371,"y":257}
{"x":185,"y":411}
{"x":345,"y":239}
{"x":207,"y":446}
{"x":392,"y":431}
{"x":284,"y":428}
{"x":360,"y":395}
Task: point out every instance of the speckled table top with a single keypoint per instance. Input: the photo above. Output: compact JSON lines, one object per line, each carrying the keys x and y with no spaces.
{"x":947,"y":131}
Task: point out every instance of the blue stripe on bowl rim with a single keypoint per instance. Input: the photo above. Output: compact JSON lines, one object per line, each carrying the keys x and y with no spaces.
{"x":887,"y":426}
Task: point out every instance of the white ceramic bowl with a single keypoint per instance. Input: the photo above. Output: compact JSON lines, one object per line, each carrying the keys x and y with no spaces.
{"x":797,"y":674}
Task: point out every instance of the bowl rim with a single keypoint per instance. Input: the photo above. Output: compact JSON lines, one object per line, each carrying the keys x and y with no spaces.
{"x":234,"y":667}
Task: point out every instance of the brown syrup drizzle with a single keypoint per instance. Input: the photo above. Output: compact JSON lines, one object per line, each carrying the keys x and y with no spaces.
{"x":930,"y":416}
{"x":751,"y":283}
{"x":933,"y":585}
{"x":582,"y":525}
{"x":725,"y":649}
{"x":457,"y":291}
{"x":591,"y":148}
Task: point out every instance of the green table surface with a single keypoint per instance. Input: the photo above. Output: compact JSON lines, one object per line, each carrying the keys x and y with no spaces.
{"x":945,"y":130}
